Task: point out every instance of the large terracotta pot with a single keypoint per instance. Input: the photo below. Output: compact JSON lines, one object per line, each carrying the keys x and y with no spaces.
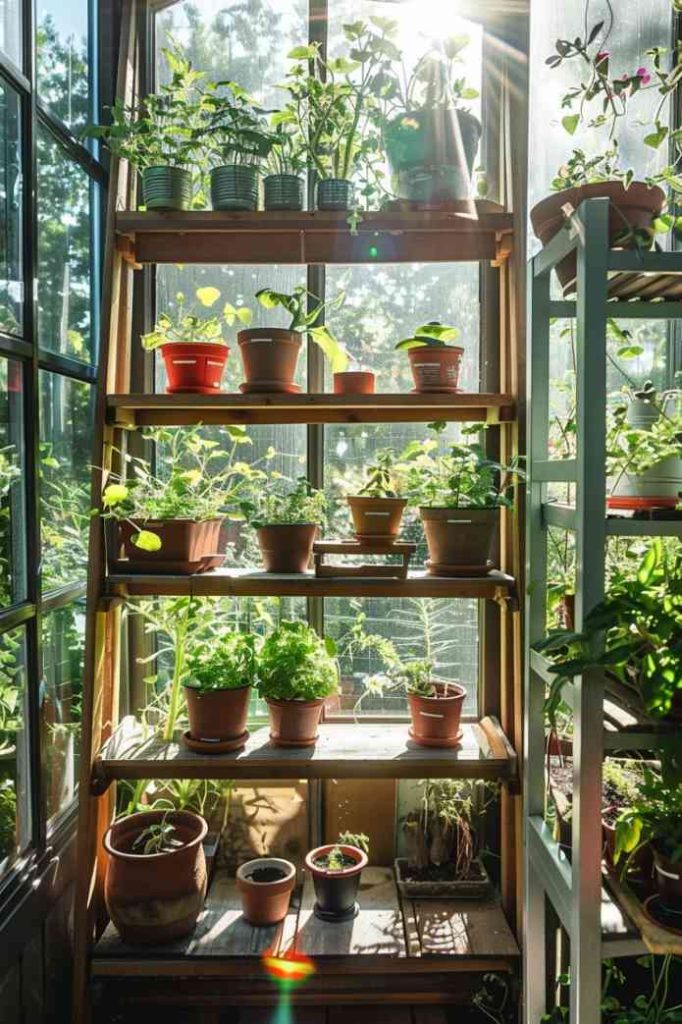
{"x":376,"y":518}
{"x":287,"y":547}
{"x":336,"y":892}
{"x":155,"y":898}
{"x":265,"y":886}
{"x":630,"y":209}
{"x":293,"y":723}
{"x":459,"y":540}
{"x":435,"y":368}
{"x":196,"y":367}
{"x":354,"y":382}
{"x":182,"y":540}
{"x":436,"y":720}
{"x":217,"y":714}
{"x":270,"y":356}
{"x":668,"y":880}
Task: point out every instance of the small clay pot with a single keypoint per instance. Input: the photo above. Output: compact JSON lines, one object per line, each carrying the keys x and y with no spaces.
{"x":195,"y":367}
{"x":631,"y":208}
{"x":376,"y":518}
{"x":155,"y":898}
{"x":336,"y":892}
{"x":668,"y":880}
{"x":459,"y":537}
{"x":435,"y":368}
{"x":287,"y":547}
{"x":354,"y":382}
{"x":265,"y":886}
{"x":270,"y":356}
{"x":182,"y":540}
{"x":217,"y":714}
{"x":293,"y":723}
{"x":436,"y":720}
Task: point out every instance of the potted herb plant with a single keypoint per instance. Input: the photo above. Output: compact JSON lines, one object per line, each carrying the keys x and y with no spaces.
{"x":644,"y":450}
{"x":600,"y":101}
{"x":238,"y":141}
{"x":434,"y":360}
{"x":376,"y":509}
{"x":460,"y":494}
{"x":283,"y":185}
{"x":270,"y":354}
{"x":435,"y":705}
{"x":193,"y":349}
{"x":172,"y":524}
{"x":286,"y":523}
{"x":297,"y":671}
{"x":155,"y":881}
{"x":336,"y":869}
{"x":265,"y":885}
{"x":160,"y":136}
{"x":442,"y":843}
{"x":431,"y":142}
{"x":634,"y":635}
{"x":218,"y":689}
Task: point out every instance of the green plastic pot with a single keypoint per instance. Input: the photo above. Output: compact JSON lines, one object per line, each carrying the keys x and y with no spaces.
{"x":431,"y":154}
{"x":334,"y":194}
{"x":234,"y":187}
{"x":283,"y":192}
{"x":167,"y":188}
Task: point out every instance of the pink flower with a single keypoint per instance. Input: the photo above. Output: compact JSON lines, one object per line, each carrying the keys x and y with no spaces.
{"x":602,"y":56}
{"x":643,"y":75}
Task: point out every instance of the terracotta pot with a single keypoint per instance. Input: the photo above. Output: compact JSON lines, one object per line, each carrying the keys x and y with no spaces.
{"x":217,"y":714}
{"x":354,"y":382}
{"x":566,"y":611}
{"x":293,"y":723}
{"x":156,"y":897}
{"x":269,"y":356}
{"x":435,"y":368}
{"x":630,"y":209}
{"x":436,"y":720}
{"x":265,"y":886}
{"x":376,"y":517}
{"x":459,"y":537}
{"x":668,"y":880}
{"x":287,"y":547}
{"x":196,"y":367}
{"x":182,"y":540}
{"x":336,"y":892}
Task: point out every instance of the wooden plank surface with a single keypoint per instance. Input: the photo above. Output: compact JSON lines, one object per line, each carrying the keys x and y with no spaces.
{"x":376,"y":931}
{"x":619,"y":918}
{"x":458,"y":928}
{"x":354,"y":750}
{"x":256,"y":583}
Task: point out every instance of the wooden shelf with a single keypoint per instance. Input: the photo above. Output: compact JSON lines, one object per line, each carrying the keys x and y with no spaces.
{"x":389,"y":936}
{"x":357,"y":750}
{"x":656,"y":938}
{"x":132,"y":411}
{"x":255,"y":583}
{"x":471,"y":231}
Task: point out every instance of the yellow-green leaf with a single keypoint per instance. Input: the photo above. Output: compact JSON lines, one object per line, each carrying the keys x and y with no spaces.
{"x":208,"y":296}
{"x":146,"y":540}
{"x":114,"y":494}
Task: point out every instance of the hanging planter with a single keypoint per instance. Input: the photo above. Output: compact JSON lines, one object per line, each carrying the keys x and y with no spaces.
{"x":167,"y":188}
{"x":155,"y":882}
{"x":334,"y":194}
{"x":431,"y":154}
{"x":234,"y":187}
{"x":283,"y":192}
{"x":265,"y":886}
{"x":336,"y":869}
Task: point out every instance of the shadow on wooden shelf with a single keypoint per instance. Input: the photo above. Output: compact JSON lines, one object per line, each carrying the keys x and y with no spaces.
{"x":356,"y":750}
{"x":655,"y":937}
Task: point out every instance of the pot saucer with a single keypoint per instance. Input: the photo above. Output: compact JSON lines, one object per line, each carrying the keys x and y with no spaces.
{"x":270,"y":387}
{"x":326,"y":915}
{"x":215,"y":746}
{"x":151,"y":567}
{"x":195,"y":391}
{"x":443,"y":744}
{"x":436,"y":391}
{"x":440,"y":569}
{"x":657,"y":912}
{"x":293,"y":743}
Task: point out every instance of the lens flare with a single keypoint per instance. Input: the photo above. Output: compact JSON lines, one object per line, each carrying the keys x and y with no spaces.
{"x":291,"y":968}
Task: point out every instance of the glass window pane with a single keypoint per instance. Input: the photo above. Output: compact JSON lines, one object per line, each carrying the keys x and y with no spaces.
{"x":11,"y":29}
{"x":12,"y":504}
{"x":15,"y":825}
{"x":11,"y":283}
{"x":65,"y":440}
{"x":62,"y":59}
{"x":63,"y":644}
{"x":64,"y":253}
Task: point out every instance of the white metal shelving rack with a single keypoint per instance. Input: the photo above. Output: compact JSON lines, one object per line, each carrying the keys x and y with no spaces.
{"x":610,"y":283}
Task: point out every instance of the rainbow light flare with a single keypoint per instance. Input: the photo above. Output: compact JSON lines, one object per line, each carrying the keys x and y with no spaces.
{"x":292,"y":968}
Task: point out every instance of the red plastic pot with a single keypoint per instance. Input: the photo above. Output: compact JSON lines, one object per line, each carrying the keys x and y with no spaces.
{"x":354,"y":382}
{"x":293,"y":723}
{"x":435,"y":368}
{"x":436,"y":720}
{"x":194,"y":367}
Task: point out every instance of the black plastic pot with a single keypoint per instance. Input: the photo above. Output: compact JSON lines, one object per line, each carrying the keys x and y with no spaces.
{"x":336,"y":892}
{"x":431,"y":154}
{"x":167,"y":188}
{"x":283,"y":192}
{"x":334,"y":194}
{"x":234,"y":187}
